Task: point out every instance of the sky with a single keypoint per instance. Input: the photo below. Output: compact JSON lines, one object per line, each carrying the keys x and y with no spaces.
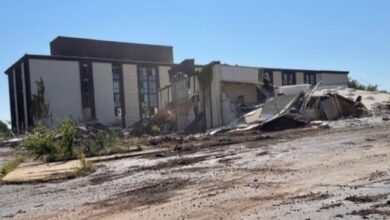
{"x":352,"y":35}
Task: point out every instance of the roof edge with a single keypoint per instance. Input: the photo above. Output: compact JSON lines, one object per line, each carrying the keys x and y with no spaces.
{"x":293,"y":69}
{"x":107,"y":41}
{"x":6,"y":72}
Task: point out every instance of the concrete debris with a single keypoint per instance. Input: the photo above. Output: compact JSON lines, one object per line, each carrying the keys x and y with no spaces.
{"x":163,"y":122}
{"x":12,"y":142}
{"x":296,"y":106}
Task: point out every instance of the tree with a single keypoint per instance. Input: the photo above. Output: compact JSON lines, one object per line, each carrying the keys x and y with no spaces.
{"x":353,"y":83}
{"x":40,"y":108}
{"x":3,"y":127}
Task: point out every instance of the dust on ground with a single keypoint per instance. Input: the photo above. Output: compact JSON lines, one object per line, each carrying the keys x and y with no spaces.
{"x":294,"y":174}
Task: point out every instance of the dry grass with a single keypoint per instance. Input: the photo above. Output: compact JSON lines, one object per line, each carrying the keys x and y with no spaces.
{"x":10,"y":166}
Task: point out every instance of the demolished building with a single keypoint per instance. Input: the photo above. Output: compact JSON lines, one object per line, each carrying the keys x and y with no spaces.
{"x":119,"y":84}
{"x":217,"y":94}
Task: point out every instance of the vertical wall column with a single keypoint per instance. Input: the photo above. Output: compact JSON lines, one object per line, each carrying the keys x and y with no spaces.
{"x":131,"y":95}
{"x":300,"y":78}
{"x":15,"y":99}
{"x":27,"y":81}
{"x":26,"y":124}
{"x":11,"y":100}
{"x":103,"y":93}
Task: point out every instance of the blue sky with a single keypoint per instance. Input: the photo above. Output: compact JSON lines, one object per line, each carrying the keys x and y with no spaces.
{"x":338,"y":35}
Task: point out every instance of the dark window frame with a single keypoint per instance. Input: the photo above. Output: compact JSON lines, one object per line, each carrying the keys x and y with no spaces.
{"x":148,"y":85}
{"x":307,"y":78}
{"x":291,"y":77}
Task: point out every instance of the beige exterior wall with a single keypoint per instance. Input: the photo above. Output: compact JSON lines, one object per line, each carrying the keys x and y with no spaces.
{"x":165,"y":96}
{"x":104,"y":96}
{"x":234,"y":90}
{"x":277,"y":78}
{"x":216,"y":109}
{"x":318,"y":77}
{"x":239,"y":74}
{"x":130,"y":80}
{"x":194,"y":85}
{"x":300,"y":78}
{"x":333,"y":79}
{"x":62,"y":86}
{"x":163,"y":74}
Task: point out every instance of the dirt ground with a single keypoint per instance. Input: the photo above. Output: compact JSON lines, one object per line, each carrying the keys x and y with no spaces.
{"x":302,"y":173}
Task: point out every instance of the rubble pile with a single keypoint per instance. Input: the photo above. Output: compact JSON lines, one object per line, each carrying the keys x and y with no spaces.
{"x":163,"y":122}
{"x":297,"y":107}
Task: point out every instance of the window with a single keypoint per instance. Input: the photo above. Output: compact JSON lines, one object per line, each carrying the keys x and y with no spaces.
{"x":148,"y":91}
{"x":86,"y":86}
{"x":116,"y":87}
{"x":87,"y":100}
{"x":288,"y":78}
{"x":310,"y":78}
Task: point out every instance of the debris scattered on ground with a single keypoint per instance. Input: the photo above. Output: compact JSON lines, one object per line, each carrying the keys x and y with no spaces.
{"x":366,"y":198}
{"x":297,"y":106}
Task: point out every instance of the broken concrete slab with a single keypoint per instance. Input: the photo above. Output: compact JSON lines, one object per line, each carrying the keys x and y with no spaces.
{"x":38,"y":171}
{"x":293,"y":89}
{"x":330,"y":109}
{"x":277,"y":106}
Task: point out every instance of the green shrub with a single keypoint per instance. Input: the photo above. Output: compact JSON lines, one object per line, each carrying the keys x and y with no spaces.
{"x":7,"y":168}
{"x":3,"y":127}
{"x":141,"y":141}
{"x":4,"y":130}
{"x":107,"y":142}
{"x":43,"y":144}
{"x":60,"y":144}
{"x":40,"y":142}
{"x":101,"y":139}
{"x":67,"y":131}
{"x":86,"y":167}
{"x":139,"y":148}
{"x":112,"y":138}
{"x":371,"y":87}
{"x":91,"y":148}
{"x":155,"y":129}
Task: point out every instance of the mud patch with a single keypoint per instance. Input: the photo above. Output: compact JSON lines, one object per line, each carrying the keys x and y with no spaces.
{"x":149,"y":194}
{"x":366,"y":199}
{"x":227,"y":161}
{"x":312,"y":196}
{"x":366,"y":212}
{"x":263,"y":153}
{"x":107,"y":177}
{"x":259,"y":184}
{"x":377,"y":175}
{"x":387,"y":204}
{"x":267,"y":198}
{"x":278,"y":170}
{"x":193,"y":170}
{"x":331,"y":206}
{"x":185,"y":161}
